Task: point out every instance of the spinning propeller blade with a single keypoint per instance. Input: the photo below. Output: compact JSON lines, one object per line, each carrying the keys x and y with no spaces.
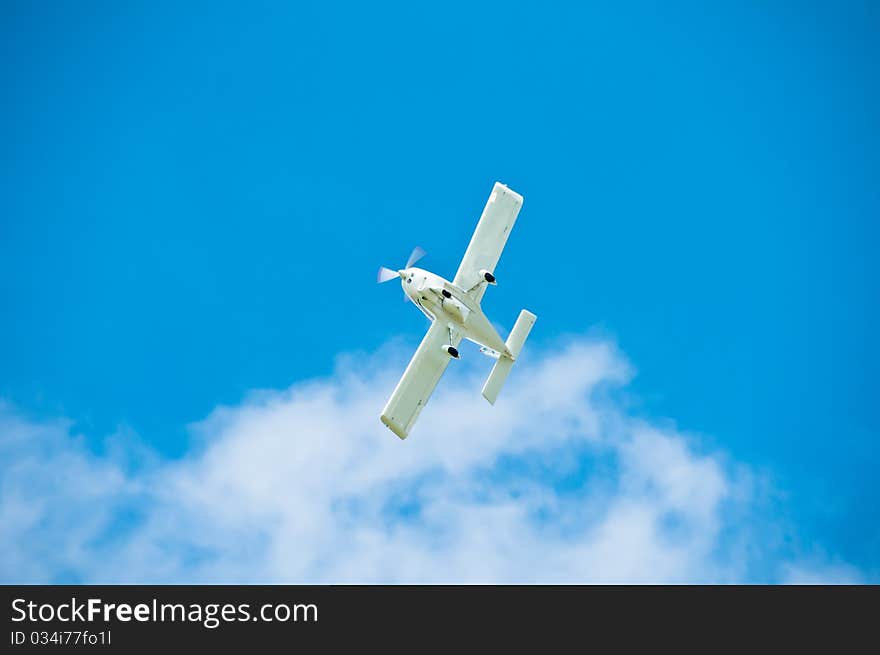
{"x":415,"y":256}
{"x":385,"y":274}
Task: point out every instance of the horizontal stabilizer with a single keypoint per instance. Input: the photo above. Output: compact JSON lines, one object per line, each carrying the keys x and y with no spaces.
{"x":496,"y":379}
{"x":514,"y":344}
{"x":520,"y":332}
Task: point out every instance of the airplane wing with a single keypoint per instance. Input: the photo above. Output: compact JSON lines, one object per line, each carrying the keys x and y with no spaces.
{"x":489,"y":238}
{"x":419,"y":380}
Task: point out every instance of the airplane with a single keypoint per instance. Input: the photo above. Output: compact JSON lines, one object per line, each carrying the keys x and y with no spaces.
{"x":455,"y":314}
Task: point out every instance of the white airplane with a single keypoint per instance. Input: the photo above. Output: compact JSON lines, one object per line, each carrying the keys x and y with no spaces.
{"x":454,"y":309}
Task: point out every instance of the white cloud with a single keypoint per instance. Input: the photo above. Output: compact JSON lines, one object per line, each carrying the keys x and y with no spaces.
{"x":817,"y":570}
{"x":555,"y":483}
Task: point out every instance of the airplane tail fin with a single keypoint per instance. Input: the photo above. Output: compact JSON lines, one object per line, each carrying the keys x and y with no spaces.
{"x":514,"y":344}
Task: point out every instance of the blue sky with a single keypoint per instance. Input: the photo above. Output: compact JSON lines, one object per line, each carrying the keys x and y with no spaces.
{"x":194,"y":200}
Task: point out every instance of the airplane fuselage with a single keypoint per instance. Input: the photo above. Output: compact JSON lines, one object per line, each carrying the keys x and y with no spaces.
{"x":455,"y":314}
{"x":440,"y":300}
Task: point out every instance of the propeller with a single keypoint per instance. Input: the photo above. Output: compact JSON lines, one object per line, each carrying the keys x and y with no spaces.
{"x":386,"y":274}
{"x":415,"y":256}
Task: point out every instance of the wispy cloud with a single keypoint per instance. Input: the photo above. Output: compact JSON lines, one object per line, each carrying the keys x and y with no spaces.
{"x":556,"y":483}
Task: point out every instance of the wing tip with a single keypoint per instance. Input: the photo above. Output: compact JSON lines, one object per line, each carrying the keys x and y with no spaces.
{"x":394,"y":427}
{"x":501,"y":186}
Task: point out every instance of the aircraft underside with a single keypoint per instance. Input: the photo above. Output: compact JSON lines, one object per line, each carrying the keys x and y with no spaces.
{"x":468,"y":323}
{"x":455,"y":314}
